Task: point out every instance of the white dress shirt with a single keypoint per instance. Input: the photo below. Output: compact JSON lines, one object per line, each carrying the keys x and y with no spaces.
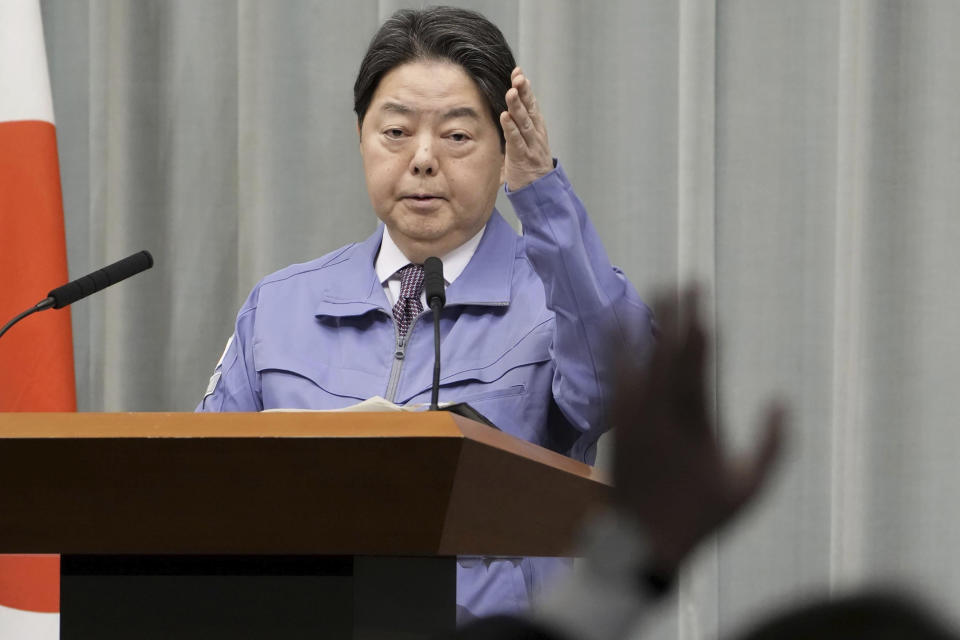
{"x":390,"y":260}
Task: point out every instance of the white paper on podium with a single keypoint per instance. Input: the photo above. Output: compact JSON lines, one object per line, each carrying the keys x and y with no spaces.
{"x":374,"y":404}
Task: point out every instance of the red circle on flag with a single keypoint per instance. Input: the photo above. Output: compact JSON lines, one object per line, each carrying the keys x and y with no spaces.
{"x":30,"y":582}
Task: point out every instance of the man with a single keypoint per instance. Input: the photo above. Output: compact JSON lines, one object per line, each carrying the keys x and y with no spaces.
{"x":444,"y":119}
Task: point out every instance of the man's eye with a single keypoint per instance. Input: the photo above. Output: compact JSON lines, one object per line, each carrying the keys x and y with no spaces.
{"x":459,"y":137}
{"x":394,"y":133}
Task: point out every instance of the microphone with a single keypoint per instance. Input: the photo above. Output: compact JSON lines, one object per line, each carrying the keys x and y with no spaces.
{"x":433,"y":286}
{"x":88,"y":285}
{"x":433,"y":281}
{"x":100,"y":279}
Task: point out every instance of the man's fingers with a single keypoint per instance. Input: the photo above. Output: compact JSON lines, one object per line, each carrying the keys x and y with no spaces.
{"x":690,"y":307}
{"x":511,"y":133}
{"x":664,"y":351}
{"x":775,"y":429}
{"x":665,"y":311}
{"x":522,"y":84}
{"x":532,"y":159}
{"x":755,"y":472}
{"x":529,"y":99}
{"x":689,"y":382}
{"x":521,"y":117}
{"x":694,"y":344}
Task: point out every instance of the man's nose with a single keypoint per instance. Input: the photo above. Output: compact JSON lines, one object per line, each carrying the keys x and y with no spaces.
{"x":424,"y":161}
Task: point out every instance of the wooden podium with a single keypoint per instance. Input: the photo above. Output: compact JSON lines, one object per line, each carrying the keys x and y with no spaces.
{"x":276,"y":525}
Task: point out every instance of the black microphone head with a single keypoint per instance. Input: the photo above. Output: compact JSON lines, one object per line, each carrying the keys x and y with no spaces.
{"x":100,"y":279}
{"x":433,"y":281}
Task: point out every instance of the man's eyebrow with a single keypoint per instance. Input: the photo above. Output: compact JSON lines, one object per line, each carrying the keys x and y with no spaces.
{"x":396,"y":107}
{"x":456,"y":112}
{"x":460,"y":112}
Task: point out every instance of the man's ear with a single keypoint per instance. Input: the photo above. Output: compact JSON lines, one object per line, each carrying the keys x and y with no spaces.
{"x":503,"y":169}
{"x":359,"y":131}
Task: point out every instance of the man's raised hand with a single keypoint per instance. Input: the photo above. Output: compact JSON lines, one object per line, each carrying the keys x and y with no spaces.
{"x":670,"y":472}
{"x":527,"y":149}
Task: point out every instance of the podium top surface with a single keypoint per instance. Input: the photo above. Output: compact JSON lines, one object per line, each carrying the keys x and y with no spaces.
{"x":278,"y":424}
{"x":269,"y":424}
{"x":399,"y":483}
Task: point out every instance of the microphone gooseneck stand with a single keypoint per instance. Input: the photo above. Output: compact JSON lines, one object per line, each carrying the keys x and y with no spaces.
{"x":435,"y":392}
{"x":40,"y":306}
{"x":433,"y":286}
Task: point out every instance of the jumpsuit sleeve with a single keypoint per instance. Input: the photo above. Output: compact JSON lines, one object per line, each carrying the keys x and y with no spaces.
{"x":594,"y":304}
{"x":235,"y":383}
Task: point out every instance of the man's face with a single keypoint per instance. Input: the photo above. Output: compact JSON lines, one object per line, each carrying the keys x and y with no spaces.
{"x":431,"y":154}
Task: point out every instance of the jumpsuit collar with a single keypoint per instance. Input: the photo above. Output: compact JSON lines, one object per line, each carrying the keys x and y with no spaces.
{"x":485,"y":281}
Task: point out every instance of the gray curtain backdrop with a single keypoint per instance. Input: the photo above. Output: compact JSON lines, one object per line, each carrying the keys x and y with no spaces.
{"x":802,"y":159}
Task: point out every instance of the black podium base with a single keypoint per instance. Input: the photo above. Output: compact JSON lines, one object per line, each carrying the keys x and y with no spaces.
{"x":253,"y":597}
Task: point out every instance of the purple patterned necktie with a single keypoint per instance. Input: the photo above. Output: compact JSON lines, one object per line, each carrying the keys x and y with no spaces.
{"x":408,"y":306}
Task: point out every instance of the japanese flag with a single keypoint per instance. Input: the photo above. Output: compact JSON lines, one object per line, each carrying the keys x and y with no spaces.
{"x":30,"y":596}
{"x":36,"y":356}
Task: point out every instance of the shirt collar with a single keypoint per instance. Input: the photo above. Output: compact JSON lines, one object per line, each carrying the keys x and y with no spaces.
{"x":390,"y":258}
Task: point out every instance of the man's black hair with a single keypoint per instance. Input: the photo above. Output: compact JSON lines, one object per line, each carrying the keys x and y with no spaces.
{"x":459,"y":36}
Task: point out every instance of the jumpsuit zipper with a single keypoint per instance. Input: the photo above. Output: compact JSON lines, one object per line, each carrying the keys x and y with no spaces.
{"x":398,"y":356}
{"x":399,"y":351}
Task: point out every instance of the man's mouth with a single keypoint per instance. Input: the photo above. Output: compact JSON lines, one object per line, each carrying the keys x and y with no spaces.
{"x":422,"y":202}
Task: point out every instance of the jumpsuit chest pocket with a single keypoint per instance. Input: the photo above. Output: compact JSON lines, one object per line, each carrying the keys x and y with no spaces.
{"x":499,"y":376}
{"x":289,"y":380}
